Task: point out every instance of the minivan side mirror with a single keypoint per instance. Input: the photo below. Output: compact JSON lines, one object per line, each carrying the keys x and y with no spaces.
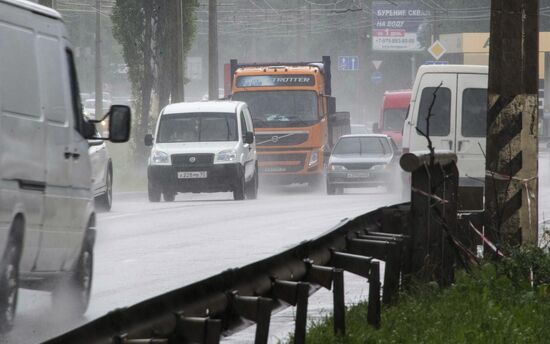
{"x":119,"y":123}
{"x":375,"y":127}
{"x":148,"y":140}
{"x":249,"y":137}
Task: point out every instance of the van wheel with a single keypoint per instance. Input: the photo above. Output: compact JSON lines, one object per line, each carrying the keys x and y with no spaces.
{"x":252,"y":187}
{"x":73,"y":294}
{"x":169,"y":196}
{"x":9,"y":286}
{"x":105,"y":201}
{"x":153,"y":193}
{"x":238,"y":191}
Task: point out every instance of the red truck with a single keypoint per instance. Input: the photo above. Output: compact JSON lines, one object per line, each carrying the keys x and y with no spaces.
{"x":393,"y":114}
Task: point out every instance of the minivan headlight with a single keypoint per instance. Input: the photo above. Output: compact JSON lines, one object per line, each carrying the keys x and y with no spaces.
{"x":334,"y":167}
{"x":226,"y":155}
{"x":313,"y":158}
{"x":159,"y":157}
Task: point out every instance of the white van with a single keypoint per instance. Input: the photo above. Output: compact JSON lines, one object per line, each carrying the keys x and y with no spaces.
{"x":459,"y":119}
{"x":46,"y":202}
{"x":203,"y":147}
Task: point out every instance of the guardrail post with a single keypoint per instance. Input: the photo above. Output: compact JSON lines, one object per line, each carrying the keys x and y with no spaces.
{"x":386,"y":248}
{"x":373,"y":312}
{"x":257,"y":309}
{"x":331,"y":278}
{"x":339,"y":302}
{"x":296,"y":294}
{"x":198,"y":330}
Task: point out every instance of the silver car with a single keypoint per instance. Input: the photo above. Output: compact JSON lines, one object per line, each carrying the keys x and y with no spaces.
{"x":362,"y":160}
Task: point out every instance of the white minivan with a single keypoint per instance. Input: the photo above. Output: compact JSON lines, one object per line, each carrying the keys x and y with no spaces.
{"x":459,"y":116}
{"x":203,"y":147}
{"x":46,"y":203}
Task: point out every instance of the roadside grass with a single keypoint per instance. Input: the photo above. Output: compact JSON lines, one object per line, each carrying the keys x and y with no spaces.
{"x":504,"y":302}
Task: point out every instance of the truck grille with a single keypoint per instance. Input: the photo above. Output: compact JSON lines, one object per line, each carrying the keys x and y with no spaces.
{"x":280,"y":139}
{"x":268,"y":162}
{"x":186,"y":160}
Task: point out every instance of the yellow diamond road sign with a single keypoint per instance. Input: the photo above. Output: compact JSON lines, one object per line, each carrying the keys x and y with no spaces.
{"x":437,"y":50}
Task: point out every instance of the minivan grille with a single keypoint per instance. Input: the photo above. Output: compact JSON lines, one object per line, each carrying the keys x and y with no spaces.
{"x":190,"y":160}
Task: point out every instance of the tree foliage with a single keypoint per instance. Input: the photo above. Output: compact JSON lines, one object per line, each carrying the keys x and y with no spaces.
{"x":142,"y":28}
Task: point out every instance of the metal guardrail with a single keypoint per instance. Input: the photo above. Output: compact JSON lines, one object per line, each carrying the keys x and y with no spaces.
{"x":222,"y":304}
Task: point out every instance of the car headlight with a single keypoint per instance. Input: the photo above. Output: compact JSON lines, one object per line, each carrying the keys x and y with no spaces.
{"x":337,"y":167}
{"x":380,"y":167}
{"x":226,"y":155}
{"x":313,"y":158}
{"x":159,"y":157}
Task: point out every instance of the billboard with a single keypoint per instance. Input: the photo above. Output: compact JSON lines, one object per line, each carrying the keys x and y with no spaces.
{"x":400,"y":26}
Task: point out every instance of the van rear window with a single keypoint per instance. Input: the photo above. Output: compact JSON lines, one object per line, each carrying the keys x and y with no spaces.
{"x":474,"y":112}
{"x":440,"y":122}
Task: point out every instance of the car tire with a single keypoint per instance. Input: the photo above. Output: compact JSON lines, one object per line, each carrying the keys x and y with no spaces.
{"x":73,"y":293}
{"x":252,"y":187}
{"x":331,"y":189}
{"x":153,"y":193}
{"x":239,"y":190}
{"x":169,"y":196}
{"x":105,"y":201}
{"x":9,"y":286}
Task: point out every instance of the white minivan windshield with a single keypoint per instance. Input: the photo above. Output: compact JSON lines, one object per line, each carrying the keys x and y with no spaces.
{"x":197,"y":127}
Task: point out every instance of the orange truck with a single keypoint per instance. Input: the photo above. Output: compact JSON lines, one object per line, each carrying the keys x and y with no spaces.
{"x":294,"y":115}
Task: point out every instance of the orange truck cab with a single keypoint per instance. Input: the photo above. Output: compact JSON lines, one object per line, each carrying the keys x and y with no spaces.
{"x":393,"y":113}
{"x":295,"y":119}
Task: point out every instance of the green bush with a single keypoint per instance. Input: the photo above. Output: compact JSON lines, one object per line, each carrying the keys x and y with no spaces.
{"x":504,"y":302}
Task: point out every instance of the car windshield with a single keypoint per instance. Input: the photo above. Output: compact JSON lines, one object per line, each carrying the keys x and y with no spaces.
{"x":394,"y":119}
{"x":281,"y":108}
{"x":362,"y":146}
{"x":197,"y":127}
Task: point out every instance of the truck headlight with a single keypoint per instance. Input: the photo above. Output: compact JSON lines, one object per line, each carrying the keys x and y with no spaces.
{"x":159,"y":157}
{"x":313,"y":158}
{"x":334,"y":167}
{"x":226,"y":155}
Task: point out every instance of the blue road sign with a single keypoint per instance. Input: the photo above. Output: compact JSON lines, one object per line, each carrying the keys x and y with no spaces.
{"x":436,"y":62}
{"x":347,"y":63}
{"x":376,"y":77}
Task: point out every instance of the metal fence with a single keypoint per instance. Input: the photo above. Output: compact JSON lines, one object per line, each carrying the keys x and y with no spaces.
{"x":411,"y":240}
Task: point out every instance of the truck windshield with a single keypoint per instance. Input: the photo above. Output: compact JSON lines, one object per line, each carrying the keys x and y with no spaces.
{"x":281,"y":108}
{"x":197,"y":127}
{"x":394,"y":119}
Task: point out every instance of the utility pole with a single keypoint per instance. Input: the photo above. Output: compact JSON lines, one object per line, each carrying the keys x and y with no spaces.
{"x":213,"y":50}
{"x":511,"y":184}
{"x":98,"y":82}
{"x":177,"y":51}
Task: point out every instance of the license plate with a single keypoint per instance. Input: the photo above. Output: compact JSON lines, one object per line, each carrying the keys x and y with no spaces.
{"x":192,"y":175}
{"x":358,"y":175}
{"x":274,"y":169}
